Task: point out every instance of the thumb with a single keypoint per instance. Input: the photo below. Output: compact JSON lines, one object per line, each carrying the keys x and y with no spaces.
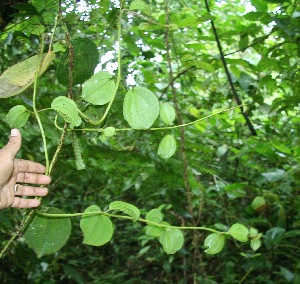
{"x":13,"y":145}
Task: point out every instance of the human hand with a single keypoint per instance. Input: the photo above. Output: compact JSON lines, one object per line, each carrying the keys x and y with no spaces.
{"x":14,"y":172}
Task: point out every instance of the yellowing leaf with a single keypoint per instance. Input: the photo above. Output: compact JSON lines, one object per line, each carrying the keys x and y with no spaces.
{"x":20,"y":76}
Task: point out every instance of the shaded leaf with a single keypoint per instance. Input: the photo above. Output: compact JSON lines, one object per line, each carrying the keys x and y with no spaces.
{"x":46,"y":235}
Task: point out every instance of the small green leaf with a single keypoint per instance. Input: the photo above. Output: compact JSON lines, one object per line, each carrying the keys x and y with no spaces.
{"x":253,"y":233}
{"x":214,"y":243}
{"x":138,"y":5}
{"x":107,"y":132}
{"x":77,"y":152}
{"x":67,"y":108}
{"x":167,"y":147}
{"x":239,"y":232}
{"x":46,"y":235}
{"x":154,"y":215}
{"x":20,"y":76}
{"x":99,"y":89}
{"x":255,"y":244}
{"x":171,"y":240}
{"x":97,"y":229}
{"x":141,"y":108}
{"x":17,"y":116}
{"x":167,"y":113}
{"x":259,"y":203}
{"x":125,"y":207}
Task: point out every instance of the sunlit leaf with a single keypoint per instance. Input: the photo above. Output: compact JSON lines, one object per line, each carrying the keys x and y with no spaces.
{"x":154,"y":215}
{"x":171,"y":240}
{"x":17,"y":116}
{"x":167,"y":147}
{"x":67,"y":108}
{"x":214,"y":243}
{"x":138,"y":5}
{"x":255,"y":244}
{"x":47,"y":235}
{"x":141,"y":108}
{"x":97,"y":229}
{"x":99,"y":89}
{"x":125,"y":207}
{"x":239,"y":232}
{"x":167,"y":113}
{"x":20,"y":76}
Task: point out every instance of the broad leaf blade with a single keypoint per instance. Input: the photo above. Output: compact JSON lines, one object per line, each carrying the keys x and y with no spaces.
{"x":99,"y":89}
{"x":97,"y":229}
{"x":167,"y":147}
{"x":167,"y":113}
{"x":140,"y":108}
{"x":214,"y":243}
{"x":239,"y":232}
{"x":67,"y":108}
{"x":47,"y":235}
{"x":20,"y":76}
{"x":171,"y":240}
{"x":18,"y":116}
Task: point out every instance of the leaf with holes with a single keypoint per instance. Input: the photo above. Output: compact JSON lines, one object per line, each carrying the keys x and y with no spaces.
{"x":214,"y":243}
{"x":20,"y":76}
{"x":141,"y":108}
{"x":17,"y":116}
{"x":97,"y":229}
{"x":127,"y":208}
{"x":167,"y":147}
{"x":47,"y":235}
{"x":171,"y":240}
{"x":99,"y":89}
{"x":67,"y":108}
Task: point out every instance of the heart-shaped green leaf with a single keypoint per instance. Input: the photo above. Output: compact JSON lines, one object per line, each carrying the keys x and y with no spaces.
{"x":99,"y":89}
{"x":171,"y":240}
{"x":18,"y":116}
{"x":46,"y":235}
{"x":214,"y":243}
{"x":140,"y":108}
{"x":67,"y":108}
{"x":125,"y":207}
{"x":167,"y":147}
{"x":97,"y":229}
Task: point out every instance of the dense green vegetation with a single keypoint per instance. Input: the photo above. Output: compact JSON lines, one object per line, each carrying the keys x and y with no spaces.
{"x":240,"y":166}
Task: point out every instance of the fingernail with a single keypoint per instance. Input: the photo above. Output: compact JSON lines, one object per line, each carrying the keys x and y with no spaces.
{"x":14,"y":132}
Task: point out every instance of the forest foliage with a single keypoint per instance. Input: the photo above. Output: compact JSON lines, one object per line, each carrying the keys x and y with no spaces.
{"x":107,"y":84}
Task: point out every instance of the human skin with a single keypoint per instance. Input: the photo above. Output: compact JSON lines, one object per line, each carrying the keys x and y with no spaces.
{"x":20,"y":178}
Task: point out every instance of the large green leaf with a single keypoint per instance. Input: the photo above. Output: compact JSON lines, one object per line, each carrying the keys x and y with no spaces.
{"x":171,"y":240}
{"x":46,"y":235}
{"x":99,"y":89}
{"x":97,"y":229}
{"x":140,"y":108}
{"x":67,"y":108}
{"x":85,"y":59}
{"x":239,"y":232}
{"x":20,"y":76}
